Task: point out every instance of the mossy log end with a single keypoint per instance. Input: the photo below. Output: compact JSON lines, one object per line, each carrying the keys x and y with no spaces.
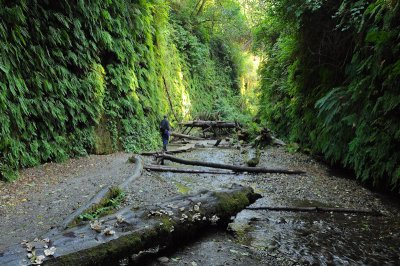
{"x":253,"y":157}
{"x":139,"y":230}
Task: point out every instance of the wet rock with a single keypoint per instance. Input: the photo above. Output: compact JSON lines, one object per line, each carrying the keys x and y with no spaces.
{"x":163,"y":259}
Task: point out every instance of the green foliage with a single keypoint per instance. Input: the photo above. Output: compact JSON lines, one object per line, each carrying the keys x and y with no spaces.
{"x":82,"y":77}
{"x":330,"y":82}
{"x":213,"y":60}
{"x":112,"y":200}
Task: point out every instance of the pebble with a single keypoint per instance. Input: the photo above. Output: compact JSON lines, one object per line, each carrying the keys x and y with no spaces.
{"x":163,"y":259}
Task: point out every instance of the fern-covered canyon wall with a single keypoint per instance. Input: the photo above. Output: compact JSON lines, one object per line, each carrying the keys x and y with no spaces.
{"x":330,"y":82}
{"x":81,"y":77}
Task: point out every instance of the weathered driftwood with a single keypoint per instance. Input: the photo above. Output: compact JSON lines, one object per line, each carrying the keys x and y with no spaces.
{"x":317,"y":209}
{"x":130,"y":232}
{"x":174,"y":134}
{"x":234,"y":168}
{"x":159,"y":168}
{"x":278,"y":142}
{"x":253,"y":157}
{"x":266,"y":138}
{"x":137,"y":171}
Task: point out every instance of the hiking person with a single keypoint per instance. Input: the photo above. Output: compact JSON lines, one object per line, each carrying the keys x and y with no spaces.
{"x":164,"y":130}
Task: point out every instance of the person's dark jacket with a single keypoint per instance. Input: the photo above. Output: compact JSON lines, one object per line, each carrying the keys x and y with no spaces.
{"x":164,"y":125}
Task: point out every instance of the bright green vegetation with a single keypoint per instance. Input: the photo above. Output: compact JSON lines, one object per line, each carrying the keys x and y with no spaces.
{"x":330,"y":81}
{"x":111,"y":201}
{"x":182,"y":189}
{"x":95,"y":77}
{"x":79,"y":77}
{"x":232,"y":203}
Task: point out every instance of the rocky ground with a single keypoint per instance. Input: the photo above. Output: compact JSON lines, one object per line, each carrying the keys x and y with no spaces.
{"x":45,"y":195}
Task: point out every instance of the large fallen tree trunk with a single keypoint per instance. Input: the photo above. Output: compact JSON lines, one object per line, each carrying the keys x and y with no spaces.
{"x":158,"y":168}
{"x":174,"y":134}
{"x":317,"y":209}
{"x":129,"y":232}
{"x":234,"y":168}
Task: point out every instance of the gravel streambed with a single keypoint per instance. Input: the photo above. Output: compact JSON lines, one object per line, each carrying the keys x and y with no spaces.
{"x":45,"y":195}
{"x":289,"y":238}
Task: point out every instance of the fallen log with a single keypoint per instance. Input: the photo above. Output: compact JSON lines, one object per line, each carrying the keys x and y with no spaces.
{"x":158,"y":168}
{"x":185,"y":148}
{"x":277,"y":142}
{"x":174,"y":134}
{"x":178,"y":143}
{"x":317,"y":209}
{"x":266,"y":138}
{"x":210,"y":124}
{"x":129,"y":232}
{"x":234,"y":168}
{"x":207,"y":129}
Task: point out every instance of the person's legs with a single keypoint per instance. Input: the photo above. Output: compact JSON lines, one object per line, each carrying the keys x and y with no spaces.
{"x":165,"y":142}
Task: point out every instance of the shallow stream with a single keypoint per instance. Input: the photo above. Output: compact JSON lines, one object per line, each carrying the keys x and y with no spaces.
{"x":262,"y":237}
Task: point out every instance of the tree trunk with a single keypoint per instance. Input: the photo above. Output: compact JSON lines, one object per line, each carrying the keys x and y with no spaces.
{"x":174,"y":134}
{"x":185,"y":148}
{"x":217,"y":143}
{"x":210,"y":124}
{"x":133,"y":231}
{"x":169,"y":99}
{"x":201,"y":8}
{"x":158,"y":168}
{"x":316,"y":209}
{"x":230,"y":167}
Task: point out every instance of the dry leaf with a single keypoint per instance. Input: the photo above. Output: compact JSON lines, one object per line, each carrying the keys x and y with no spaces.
{"x":214,"y":219}
{"x":50,"y":251}
{"x":120,"y":219}
{"x":96,"y":226}
{"x":109,"y":232}
{"x":29,"y":247}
